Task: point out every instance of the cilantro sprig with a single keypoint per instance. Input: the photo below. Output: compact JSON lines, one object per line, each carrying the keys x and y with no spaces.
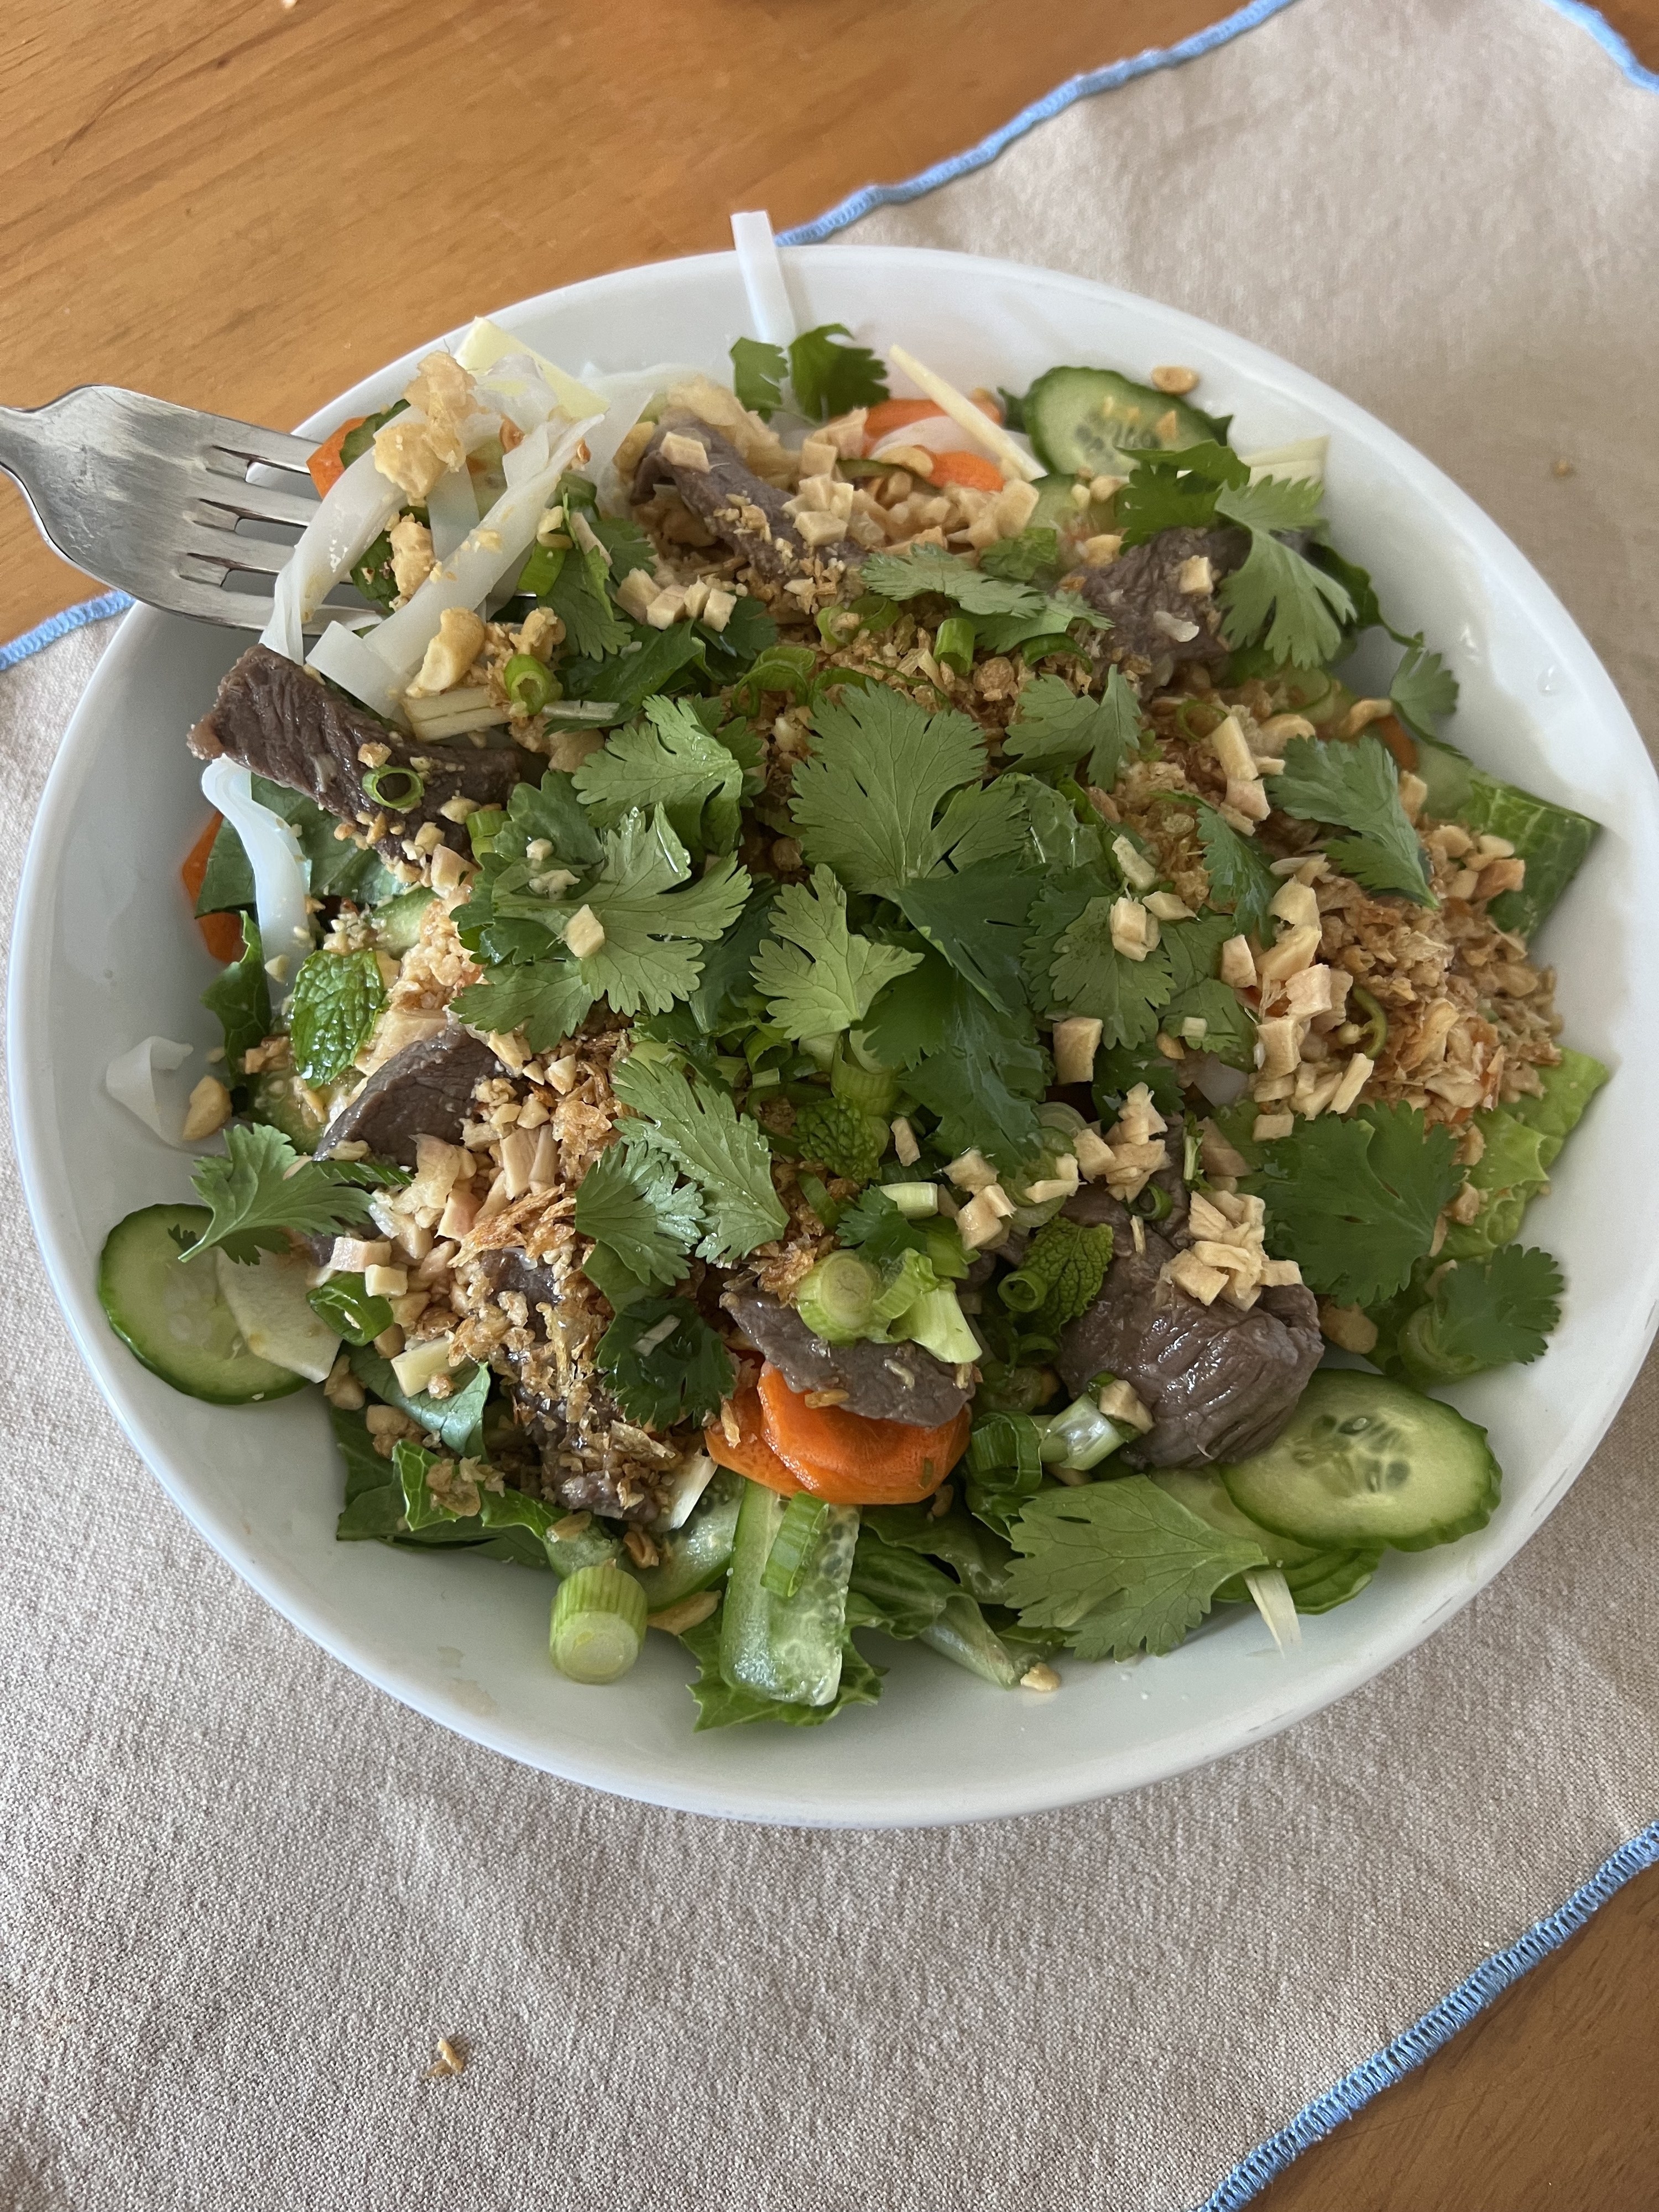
{"x":826,"y":377}
{"x":865,"y":802}
{"x":630,"y":1202}
{"x":697,"y":1128}
{"x":262,"y":1188}
{"x":819,"y":976}
{"x":1356,"y":786}
{"x":668,"y":760}
{"x":1055,"y":727}
{"x":1356,"y":1201}
{"x":1483,"y":1317}
{"x":664,"y":1363}
{"x":1119,"y":1567}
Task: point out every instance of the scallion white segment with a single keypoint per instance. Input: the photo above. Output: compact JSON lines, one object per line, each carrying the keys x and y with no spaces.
{"x":598,"y":1625}
{"x":353,"y":513}
{"x":279,"y":874}
{"x":489,"y":553}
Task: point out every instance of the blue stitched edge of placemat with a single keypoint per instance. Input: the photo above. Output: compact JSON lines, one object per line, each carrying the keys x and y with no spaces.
{"x":1437,"y":2026}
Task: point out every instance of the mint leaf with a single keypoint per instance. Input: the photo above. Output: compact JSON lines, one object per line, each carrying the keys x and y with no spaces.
{"x":629,"y":1202}
{"x":1356,"y":786}
{"x":1355,"y":1201}
{"x":865,"y":802}
{"x":1119,"y":1567}
{"x":757,"y":374}
{"x":338,"y":998}
{"x":661,"y":1376}
{"x":262,"y":1187}
{"x":821,"y":978}
{"x":829,"y":379}
{"x":699,"y":1130}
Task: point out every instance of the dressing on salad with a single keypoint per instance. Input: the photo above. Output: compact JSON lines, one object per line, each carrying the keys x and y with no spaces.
{"x":830,"y":1000}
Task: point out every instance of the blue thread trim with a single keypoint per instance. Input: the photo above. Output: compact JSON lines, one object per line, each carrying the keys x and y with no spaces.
{"x":1436,"y":2028}
{"x":1064,"y":96}
{"x":1592,"y":20}
{"x":56,"y":626}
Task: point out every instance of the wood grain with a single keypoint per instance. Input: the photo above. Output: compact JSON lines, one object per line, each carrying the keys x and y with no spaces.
{"x":246,"y":206}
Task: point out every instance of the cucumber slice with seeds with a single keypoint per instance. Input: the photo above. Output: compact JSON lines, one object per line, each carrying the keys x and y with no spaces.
{"x":171,"y":1313}
{"x":1092,"y":418}
{"x":1364,"y":1462}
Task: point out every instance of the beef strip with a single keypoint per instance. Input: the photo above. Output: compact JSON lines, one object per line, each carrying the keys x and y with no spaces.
{"x":742,"y":509}
{"x":1144,"y":584}
{"x":1220,"y":1384}
{"x":424,"y":1090}
{"x":273,"y":716}
{"x":582,"y":1438}
{"x":885,"y":1382}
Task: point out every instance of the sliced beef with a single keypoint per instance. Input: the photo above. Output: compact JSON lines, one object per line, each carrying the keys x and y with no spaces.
{"x":275,"y":717}
{"x":743,"y":510}
{"x":1220,"y":1384}
{"x":885,"y":1382}
{"x":1152,"y":618}
{"x":424,"y":1090}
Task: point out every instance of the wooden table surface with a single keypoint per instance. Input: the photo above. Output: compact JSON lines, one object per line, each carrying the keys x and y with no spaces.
{"x":245,"y":206}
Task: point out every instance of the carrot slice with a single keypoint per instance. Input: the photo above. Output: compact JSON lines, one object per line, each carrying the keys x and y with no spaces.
{"x":971,"y":469}
{"x":752,"y":1455}
{"x":1398,"y":739}
{"x":890,"y":414}
{"x":221,"y":932}
{"x":325,"y":464}
{"x":851,"y":1459}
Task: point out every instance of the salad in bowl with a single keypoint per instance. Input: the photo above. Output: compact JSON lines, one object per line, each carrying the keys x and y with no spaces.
{"x":835,"y":1019}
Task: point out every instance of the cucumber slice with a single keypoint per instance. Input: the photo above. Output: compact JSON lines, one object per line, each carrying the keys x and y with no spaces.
{"x":1093,"y":418}
{"x":172,"y":1316}
{"x":788,"y":1649}
{"x":397,"y":923}
{"x":1203,"y":1492}
{"x":1364,"y":1463}
{"x":280,"y":1100}
{"x":699,"y":1553}
{"x":1331,"y":1579}
{"x":277,"y":1320}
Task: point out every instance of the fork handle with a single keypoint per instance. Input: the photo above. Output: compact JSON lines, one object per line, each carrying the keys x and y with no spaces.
{"x":24,"y":434}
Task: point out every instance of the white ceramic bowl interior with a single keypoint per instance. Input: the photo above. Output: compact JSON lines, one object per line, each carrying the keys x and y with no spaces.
{"x":107,"y":954}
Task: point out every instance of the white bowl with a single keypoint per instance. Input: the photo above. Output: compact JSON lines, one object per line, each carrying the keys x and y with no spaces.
{"x":107,"y":954}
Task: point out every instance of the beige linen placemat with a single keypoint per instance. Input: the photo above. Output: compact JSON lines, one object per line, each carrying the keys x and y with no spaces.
{"x":243,"y":1892}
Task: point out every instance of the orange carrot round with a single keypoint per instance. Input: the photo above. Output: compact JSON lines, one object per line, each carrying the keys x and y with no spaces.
{"x":890,"y":414}
{"x":973,"y":470}
{"x":222,"y":932}
{"x":325,"y":464}
{"x":851,"y":1459}
{"x":752,"y":1455}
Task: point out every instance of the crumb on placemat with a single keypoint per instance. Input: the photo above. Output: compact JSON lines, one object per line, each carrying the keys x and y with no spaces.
{"x":451,"y":2059}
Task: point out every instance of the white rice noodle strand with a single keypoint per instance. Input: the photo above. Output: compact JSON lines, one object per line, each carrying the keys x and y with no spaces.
{"x":281,"y":877}
{"x":452,"y":510}
{"x":760,"y":266}
{"x":355,"y":510}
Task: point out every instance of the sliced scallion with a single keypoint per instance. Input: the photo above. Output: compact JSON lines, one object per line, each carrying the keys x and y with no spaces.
{"x":953,"y":645}
{"x":598,"y":1625}
{"x":1081,"y":1437}
{"x":916,"y":1201}
{"x":871,"y":1090}
{"x":799,"y":1532}
{"x":412,"y":790}
{"x":529,"y":682}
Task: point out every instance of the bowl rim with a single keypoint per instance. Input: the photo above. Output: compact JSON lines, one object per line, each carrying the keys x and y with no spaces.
{"x":1014,"y":1793}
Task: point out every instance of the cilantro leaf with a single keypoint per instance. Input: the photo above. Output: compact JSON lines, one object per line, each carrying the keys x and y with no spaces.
{"x":1423,"y":690}
{"x":577,"y":589}
{"x":1119,"y":1567}
{"x":1118,"y":733}
{"x":1356,"y":583}
{"x":337,"y":998}
{"x":1484,"y":1317}
{"x":1355,"y":1201}
{"x":664,"y":1364}
{"x":980,"y":1070}
{"x":930,"y":568}
{"x":548,"y":809}
{"x":1090,"y":975}
{"x":1054,"y":727}
{"x":1195,"y":947}
{"x":1229,"y":1026}
{"x":873,"y":1224}
{"x":728,"y":1159}
{"x":1356,"y":786}
{"x":628,"y":1201}
{"x":628,"y":680}
{"x":1065,"y":893}
{"x":724,"y":993}
{"x":669,"y":759}
{"x":625,"y":542}
{"x":757,"y":374}
{"x":1301,"y":608}
{"x":1273,"y":503}
{"x":864,"y":801}
{"x":1052,"y":617}
{"x":262,"y":1188}
{"x":549,"y":1000}
{"x":1033,"y":553}
{"x":984,"y":821}
{"x":1176,"y":490}
{"x":1058,"y":835}
{"x":976,"y":919}
{"x":822,"y":978}
{"x":829,"y":379}
{"x":240,"y":996}
{"x":1241,"y":880}
{"x":750,"y":631}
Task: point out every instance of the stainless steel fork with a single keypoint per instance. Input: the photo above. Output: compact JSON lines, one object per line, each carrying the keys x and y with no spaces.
{"x":152,"y":498}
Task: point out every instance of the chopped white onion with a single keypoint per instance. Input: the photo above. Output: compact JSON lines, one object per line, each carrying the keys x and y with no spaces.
{"x":1013,"y":459}
{"x":1273,"y":1601}
{"x":1301,"y":461}
{"x":452,"y":510}
{"x":489,"y":553}
{"x":1221,"y":1085}
{"x":760,"y":266}
{"x":279,"y":874}
{"x":351,"y":515}
{"x":131,"y":1082}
